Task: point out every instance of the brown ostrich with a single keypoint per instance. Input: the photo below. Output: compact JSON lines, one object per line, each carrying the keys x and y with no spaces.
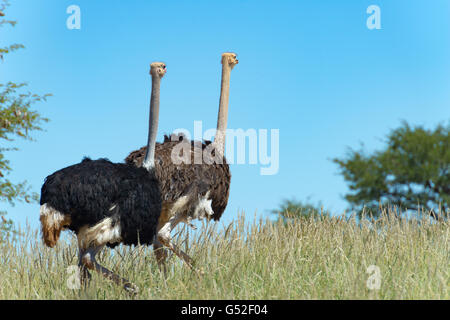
{"x":191,"y":190}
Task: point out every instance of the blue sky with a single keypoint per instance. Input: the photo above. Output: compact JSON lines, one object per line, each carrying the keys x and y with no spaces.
{"x":311,"y":69}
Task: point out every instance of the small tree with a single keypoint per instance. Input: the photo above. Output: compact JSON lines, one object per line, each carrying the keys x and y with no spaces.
{"x":294,"y":209}
{"x":17,"y":119}
{"x":412,"y":172}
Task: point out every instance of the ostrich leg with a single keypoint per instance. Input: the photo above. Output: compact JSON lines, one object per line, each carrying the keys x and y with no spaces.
{"x":85,"y":276}
{"x":88,"y":261}
{"x":165,"y":238}
{"x":161,"y":255}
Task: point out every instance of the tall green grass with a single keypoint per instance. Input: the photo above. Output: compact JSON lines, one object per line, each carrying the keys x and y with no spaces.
{"x":311,"y":258}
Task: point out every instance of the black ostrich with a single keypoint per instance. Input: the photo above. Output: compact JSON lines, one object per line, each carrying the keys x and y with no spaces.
{"x":191,"y":190}
{"x":106,"y":203}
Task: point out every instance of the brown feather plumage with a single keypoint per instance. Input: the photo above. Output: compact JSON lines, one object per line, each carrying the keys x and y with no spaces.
{"x":188,"y":179}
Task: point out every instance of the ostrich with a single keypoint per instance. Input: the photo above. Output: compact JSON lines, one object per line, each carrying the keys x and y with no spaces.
{"x":190,"y":190}
{"x":106,"y":203}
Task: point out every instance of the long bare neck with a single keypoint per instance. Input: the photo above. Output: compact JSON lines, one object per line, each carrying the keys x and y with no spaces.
{"x":149,"y":160}
{"x":223,"y":108}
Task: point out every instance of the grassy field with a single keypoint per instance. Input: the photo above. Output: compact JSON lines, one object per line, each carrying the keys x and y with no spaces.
{"x":327,"y":258}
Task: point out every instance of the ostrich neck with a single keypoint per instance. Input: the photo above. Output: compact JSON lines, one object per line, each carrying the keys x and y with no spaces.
{"x":223,"y":108}
{"x":149,"y":160}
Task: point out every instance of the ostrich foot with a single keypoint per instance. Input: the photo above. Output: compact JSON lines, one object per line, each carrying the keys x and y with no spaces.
{"x":131,"y":288}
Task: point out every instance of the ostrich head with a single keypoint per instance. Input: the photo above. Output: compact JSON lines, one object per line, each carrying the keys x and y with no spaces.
{"x":158,"y":69}
{"x":230,"y":59}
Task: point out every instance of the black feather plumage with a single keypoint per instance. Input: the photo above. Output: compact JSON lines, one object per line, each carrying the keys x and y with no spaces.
{"x":89,"y":190}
